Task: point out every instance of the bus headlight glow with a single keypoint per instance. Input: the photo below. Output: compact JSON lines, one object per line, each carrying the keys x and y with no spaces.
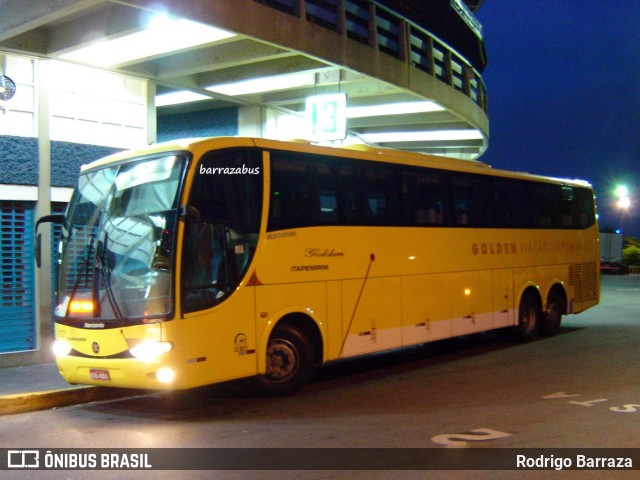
{"x":61,"y":348}
{"x":166,"y":375}
{"x":149,"y":351}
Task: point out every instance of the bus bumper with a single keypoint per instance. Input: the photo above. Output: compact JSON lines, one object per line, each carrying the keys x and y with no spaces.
{"x":122,"y":373}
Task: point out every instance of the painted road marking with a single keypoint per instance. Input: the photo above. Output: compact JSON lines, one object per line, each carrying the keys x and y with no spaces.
{"x":625,"y":408}
{"x":463,"y":439}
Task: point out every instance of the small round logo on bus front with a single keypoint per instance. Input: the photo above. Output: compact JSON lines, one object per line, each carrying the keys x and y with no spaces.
{"x":95,"y":347}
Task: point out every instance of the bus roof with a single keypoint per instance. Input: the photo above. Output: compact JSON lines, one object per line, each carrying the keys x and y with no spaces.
{"x":358,"y":151}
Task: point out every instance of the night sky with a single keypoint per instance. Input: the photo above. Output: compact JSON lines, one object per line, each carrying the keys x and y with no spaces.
{"x":563,"y":80}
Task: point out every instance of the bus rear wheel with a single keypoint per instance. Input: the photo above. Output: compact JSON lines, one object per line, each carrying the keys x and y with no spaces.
{"x":289,"y":362}
{"x":529,"y":317}
{"x":553,"y":315}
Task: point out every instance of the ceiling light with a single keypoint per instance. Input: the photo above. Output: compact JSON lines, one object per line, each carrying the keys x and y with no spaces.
{"x":176,"y":98}
{"x":400,"y":108}
{"x":160,"y":37}
{"x":264,"y":84}
{"x":427,"y":136}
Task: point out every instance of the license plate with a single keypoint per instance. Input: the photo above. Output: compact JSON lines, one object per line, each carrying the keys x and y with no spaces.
{"x":99,"y":374}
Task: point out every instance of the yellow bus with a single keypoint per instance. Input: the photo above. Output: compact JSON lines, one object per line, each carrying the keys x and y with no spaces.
{"x":201,"y":261}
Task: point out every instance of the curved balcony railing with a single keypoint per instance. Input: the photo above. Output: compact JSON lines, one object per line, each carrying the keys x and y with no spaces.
{"x":373,"y":24}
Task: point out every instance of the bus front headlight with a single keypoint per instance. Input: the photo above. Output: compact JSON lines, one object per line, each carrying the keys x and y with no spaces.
{"x":166,"y":375}
{"x":61,"y":348}
{"x":149,"y":351}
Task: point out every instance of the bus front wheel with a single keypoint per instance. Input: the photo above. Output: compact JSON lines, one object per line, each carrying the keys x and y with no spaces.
{"x":289,"y":361}
{"x":529,"y":317}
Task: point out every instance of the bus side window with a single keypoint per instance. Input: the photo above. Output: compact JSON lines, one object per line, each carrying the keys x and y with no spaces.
{"x":546,"y":200}
{"x":583,"y":207}
{"x":463,"y":201}
{"x":206,"y":274}
{"x":422,"y":197}
{"x":203,"y":255}
{"x":375,"y":206}
{"x":327,"y":194}
{"x":328,"y":207}
{"x":347,"y":194}
{"x":290,"y":196}
{"x":221,"y":229}
{"x":577,"y":207}
{"x":511,"y":204}
{"x":568,"y":202}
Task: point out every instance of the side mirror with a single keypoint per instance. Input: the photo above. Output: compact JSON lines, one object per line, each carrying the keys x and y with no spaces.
{"x":57,"y":218}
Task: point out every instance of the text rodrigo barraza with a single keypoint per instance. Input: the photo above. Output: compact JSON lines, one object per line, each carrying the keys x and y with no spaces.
{"x":579,"y":462}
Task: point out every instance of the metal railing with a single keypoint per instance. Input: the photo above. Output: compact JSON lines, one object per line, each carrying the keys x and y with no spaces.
{"x":373,"y":24}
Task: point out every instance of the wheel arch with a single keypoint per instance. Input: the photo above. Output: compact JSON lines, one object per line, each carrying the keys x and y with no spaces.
{"x":558,"y":288}
{"x":305,"y":323}
{"x":533,"y":289}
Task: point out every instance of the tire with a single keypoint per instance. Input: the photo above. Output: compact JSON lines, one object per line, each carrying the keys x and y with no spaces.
{"x":289,"y":362}
{"x":529,"y":318}
{"x":552,"y":317}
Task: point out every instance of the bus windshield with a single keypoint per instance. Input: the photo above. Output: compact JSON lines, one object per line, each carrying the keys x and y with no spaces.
{"x":117,"y":245}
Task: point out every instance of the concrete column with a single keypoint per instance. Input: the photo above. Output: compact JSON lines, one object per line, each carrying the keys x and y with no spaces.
{"x":250,"y":121}
{"x":43,"y":207}
{"x":152,"y":113}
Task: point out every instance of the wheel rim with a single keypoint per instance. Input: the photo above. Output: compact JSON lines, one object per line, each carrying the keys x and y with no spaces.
{"x":554,"y":313}
{"x":528,"y":318}
{"x":282,"y":360}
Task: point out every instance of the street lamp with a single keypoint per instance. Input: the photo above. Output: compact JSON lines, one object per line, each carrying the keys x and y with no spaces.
{"x":622,"y":191}
{"x":623,"y":203}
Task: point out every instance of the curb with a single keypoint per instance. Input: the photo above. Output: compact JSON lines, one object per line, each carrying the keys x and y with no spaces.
{"x":30,"y":402}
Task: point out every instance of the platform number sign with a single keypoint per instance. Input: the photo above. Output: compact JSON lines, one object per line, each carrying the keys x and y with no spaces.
{"x":327,"y":117}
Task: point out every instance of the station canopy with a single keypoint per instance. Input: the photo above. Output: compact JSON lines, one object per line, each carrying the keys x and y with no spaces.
{"x":203,"y":59}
